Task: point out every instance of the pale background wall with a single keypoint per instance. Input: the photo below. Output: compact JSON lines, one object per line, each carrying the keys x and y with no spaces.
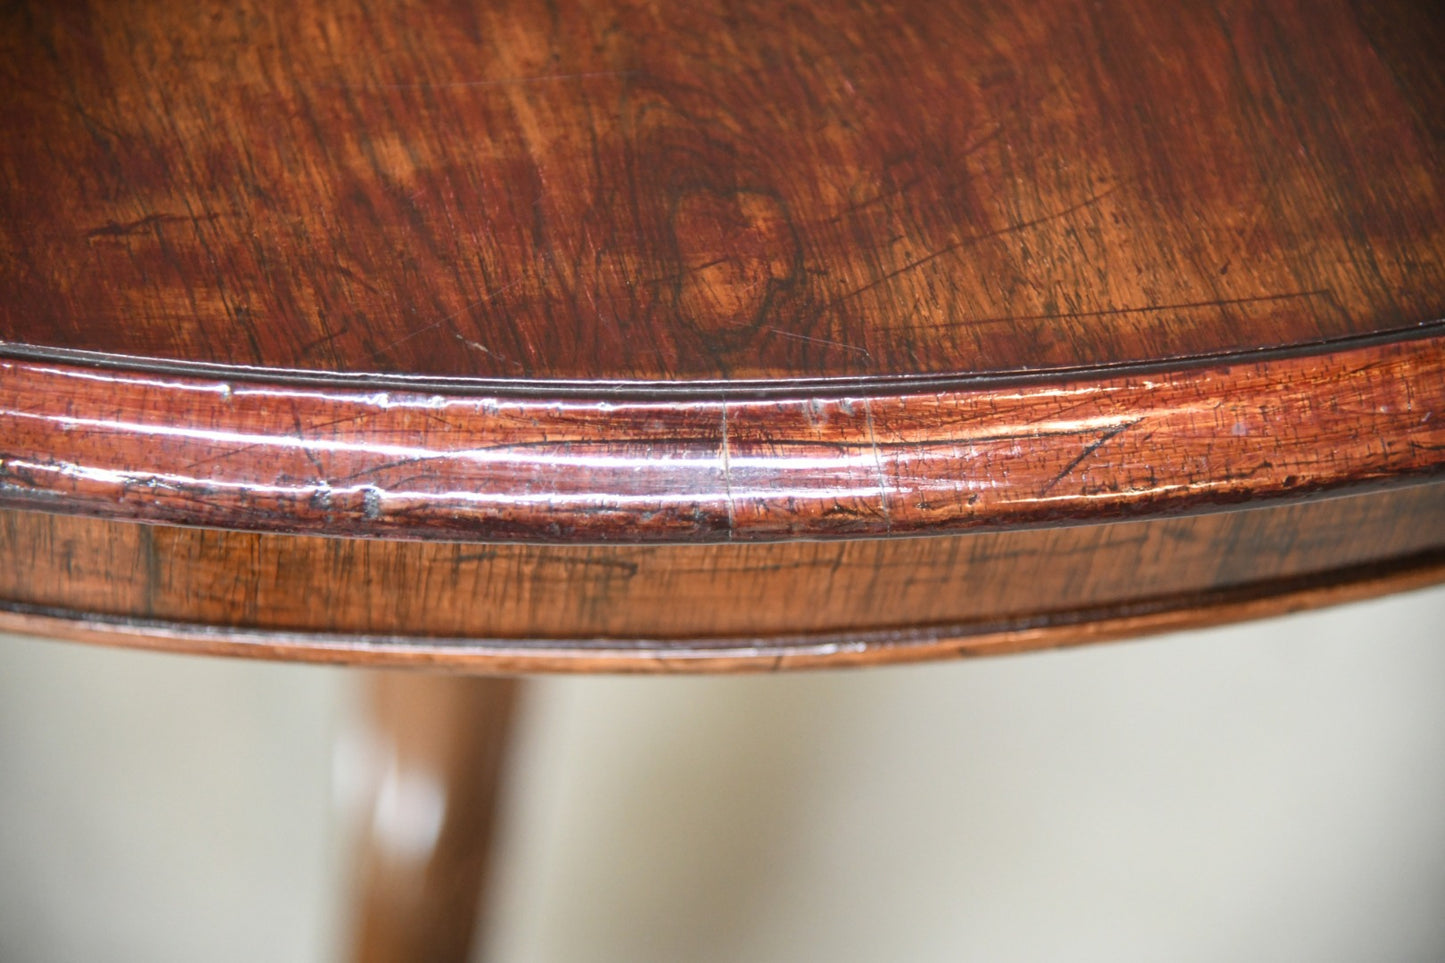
{"x":1273,"y":792}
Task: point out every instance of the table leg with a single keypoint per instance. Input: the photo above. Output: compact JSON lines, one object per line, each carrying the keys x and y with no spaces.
{"x":436,"y":745}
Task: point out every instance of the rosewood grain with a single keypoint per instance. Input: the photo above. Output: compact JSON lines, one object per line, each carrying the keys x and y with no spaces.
{"x":604,"y":326}
{"x":719,"y":189}
{"x":402,"y":464}
{"x":623,"y":335}
{"x":528,"y":607}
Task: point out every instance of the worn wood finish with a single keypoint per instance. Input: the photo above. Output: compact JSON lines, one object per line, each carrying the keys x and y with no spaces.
{"x":439,"y":744}
{"x":409,"y":465}
{"x":625,"y":335}
{"x":664,"y":308}
{"x":716,"y":190}
{"x":525,"y":607}
{"x":1047,"y":631}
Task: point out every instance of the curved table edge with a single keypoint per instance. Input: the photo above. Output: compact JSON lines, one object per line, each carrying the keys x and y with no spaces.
{"x":667,"y":656}
{"x":135,"y":445}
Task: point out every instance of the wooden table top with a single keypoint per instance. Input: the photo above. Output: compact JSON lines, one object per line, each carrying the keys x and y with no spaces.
{"x":601,"y":272}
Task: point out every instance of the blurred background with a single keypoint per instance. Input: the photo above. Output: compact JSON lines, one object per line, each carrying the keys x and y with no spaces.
{"x":1274,"y":791}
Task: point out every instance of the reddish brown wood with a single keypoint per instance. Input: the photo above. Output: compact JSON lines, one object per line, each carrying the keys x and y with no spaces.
{"x":527,"y":607}
{"x":422,"y":859}
{"x":1108,"y":299}
{"x":619,"y":189}
{"x":403,"y":464}
{"x":853,"y":649}
{"x":604,"y":271}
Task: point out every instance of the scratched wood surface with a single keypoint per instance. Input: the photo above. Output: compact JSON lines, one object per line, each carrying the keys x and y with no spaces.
{"x":1137,"y":310}
{"x":723,"y":607}
{"x":617,"y":189}
{"x":403,"y":464}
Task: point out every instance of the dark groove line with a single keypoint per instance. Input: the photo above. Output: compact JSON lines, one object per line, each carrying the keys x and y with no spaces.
{"x":706,"y":390}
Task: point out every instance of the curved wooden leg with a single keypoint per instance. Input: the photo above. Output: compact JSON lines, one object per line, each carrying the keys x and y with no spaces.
{"x":436,"y":748}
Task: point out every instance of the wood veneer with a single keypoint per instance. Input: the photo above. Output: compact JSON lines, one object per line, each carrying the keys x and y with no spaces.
{"x":724,"y":190}
{"x":404,"y":464}
{"x":574,"y":282}
{"x":527,"y":607}
{"x":620,"y":335}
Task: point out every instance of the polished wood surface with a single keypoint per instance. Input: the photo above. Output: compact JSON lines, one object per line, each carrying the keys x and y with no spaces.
{"x":717,"y":190}
{"x":603,"y":333}
{"x":762,"y":606}
{"x":439,"y":743}
{"x":403,"y":464}
{"x":616,"y":335}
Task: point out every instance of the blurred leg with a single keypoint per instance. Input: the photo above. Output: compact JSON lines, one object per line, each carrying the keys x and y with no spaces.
{"x":437,"y":747}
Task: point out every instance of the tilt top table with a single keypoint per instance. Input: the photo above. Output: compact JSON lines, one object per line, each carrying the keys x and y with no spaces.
{"x":606,"y":335}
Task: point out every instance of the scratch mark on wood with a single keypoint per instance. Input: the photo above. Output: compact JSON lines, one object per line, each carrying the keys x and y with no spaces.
{"x":1103,"y":440}
{"x":498,"y":82}
{"x":963,"y":242}
{"x":883,"y":499}
{"x":116,"y":229}
{"x":1114,"y":312}
{"x":829,"y":342}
